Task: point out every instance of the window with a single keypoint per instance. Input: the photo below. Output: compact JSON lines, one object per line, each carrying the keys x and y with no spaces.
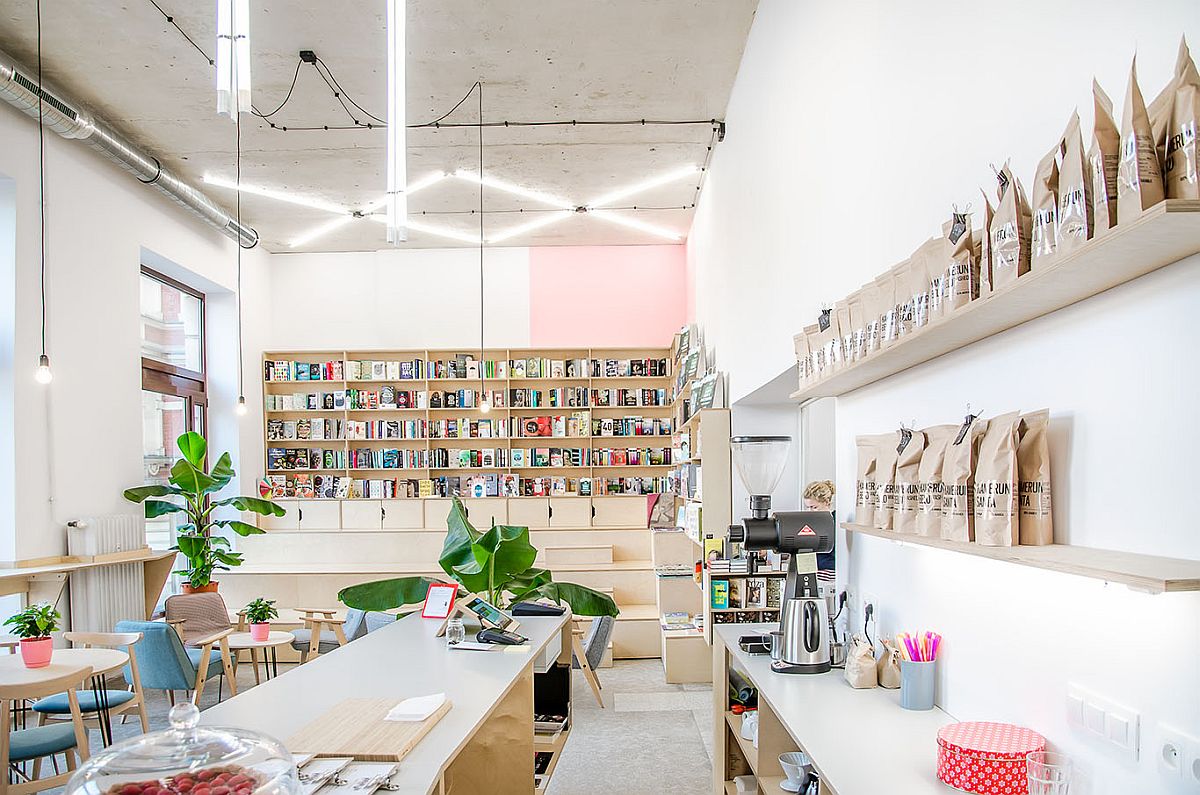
{"x":174,"y":393}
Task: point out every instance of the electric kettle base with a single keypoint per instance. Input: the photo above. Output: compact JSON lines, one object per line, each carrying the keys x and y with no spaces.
{"x":781,"y":667}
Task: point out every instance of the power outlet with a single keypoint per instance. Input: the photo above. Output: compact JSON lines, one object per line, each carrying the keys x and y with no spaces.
{"x":1178,"y":756}
{"x":870,"y":612}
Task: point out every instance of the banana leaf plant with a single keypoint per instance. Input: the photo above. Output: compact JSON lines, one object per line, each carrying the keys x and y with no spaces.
{"x":196,"y":485}
{"x":497,"y":564}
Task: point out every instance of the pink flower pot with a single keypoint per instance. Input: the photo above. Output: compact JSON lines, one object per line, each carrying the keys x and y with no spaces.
{"x":36,"y":652}
{"x":259,"y":632}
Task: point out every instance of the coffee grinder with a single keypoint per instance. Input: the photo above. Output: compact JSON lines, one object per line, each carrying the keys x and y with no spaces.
{"x":804,"y":620}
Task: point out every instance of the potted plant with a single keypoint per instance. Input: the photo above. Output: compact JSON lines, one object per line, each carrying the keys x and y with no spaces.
{"x":33,"y":626}
{"x":191,"y":481}
{"x":259,"y":613}
{"x":497,"y":564}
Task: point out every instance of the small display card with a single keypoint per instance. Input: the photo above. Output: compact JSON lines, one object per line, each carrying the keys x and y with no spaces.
{"x":439,"y":600}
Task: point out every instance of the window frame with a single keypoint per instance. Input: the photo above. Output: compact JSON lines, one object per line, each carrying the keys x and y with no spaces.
{"x":167,"y":378}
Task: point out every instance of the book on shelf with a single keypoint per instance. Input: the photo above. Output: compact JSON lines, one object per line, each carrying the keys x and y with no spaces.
{"x":774,"y":592}
{"x":719,"y":594}
{"x":755,"y":594}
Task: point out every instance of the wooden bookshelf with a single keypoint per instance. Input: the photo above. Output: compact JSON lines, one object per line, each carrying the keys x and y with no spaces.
{"x":1148,"y":573}
{"x":423,"y":444}
{"x":1164,"y":234}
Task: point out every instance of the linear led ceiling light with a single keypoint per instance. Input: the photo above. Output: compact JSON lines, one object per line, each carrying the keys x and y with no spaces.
{"x":516,"y":190}
{"x":346,"y":216}
{"x":548,"y":218}
{"x":233,"y":57}
{"x":397,"y":123}
{"x":277,"y":195}
{"x":653,"y":182}
{"x":430,"y":229}
{"x":633,"y":223}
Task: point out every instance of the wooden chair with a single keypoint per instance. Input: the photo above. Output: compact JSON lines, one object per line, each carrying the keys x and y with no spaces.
{"x":24,"y":745}
{"x":588,"y":652}
{"x":307,"y":639}
{"x":166,"y":664}
{"x":120,"y":702}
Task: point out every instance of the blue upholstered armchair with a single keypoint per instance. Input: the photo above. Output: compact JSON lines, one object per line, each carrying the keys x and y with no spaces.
{"x":164,"y":663}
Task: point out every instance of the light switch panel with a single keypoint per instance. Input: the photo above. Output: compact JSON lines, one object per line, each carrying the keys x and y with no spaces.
{"x":1104,"y":719}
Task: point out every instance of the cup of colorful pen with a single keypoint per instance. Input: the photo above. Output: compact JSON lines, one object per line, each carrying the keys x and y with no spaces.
{"x":918,"y":656}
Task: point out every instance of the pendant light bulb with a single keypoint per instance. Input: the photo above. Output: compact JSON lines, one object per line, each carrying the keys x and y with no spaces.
{"x":241,"y":408}
{"x":44,"y":374}
{"x":485,"y":405}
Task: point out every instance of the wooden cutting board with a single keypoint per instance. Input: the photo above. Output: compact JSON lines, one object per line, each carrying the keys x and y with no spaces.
{"x":355,"y":727}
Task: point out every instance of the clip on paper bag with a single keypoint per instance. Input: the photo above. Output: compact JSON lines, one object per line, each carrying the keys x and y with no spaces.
{"x":962,"y":274}
{"x":958,"y":477}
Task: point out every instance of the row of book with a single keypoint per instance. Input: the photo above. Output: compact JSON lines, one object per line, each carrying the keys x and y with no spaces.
{"x":746,"y":617}
{"x":389,"y":397}
{"x":307,"y":401}
{"x":468,"y":428}
{"x":747,"y":593}
{"x":579,"y":423}
{"x":462,"y":367}
{"x":616,"y":457}
{"x":629,"y":397}
{"x":324,"y":486}
{"x":291,"y":458}
{"x":303,"y":371}
{"x":317,"y":429}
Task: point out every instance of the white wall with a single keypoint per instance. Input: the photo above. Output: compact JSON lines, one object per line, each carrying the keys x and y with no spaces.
{"x":79,"y":441}
{"x":853,"y":128}
{"x":399,"y":299}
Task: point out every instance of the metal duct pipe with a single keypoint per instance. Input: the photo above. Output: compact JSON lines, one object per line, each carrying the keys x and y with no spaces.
{"x":69,"y":120}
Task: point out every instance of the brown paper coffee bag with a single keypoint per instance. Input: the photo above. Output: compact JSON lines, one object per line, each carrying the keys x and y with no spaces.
{"x":1181,"y":168}
{"x":958,"y":478}
{"x":995,"y":488}
{"x":929,"y":480}
{"x":858,"y":325}
{"x":1103,"y":156}
{"x":1033,"y":484}
{"x":1044,"y":207}
{"x":803,"y":358}
{"x":985,"y":249}
{"x":845,"y":332}
{"x":1139,"y":174}
{"x":919,"y":284}
{"x":1010,"y":232}
{"x":907,"y":480}
{"x":889,"y":317}
{"x":871,"y":317}
{"x":962,"y":274}
{"x":885,"y":479}
{"x":864,"y":485}
{"x":935,"y":274}
{"x":904,"y":303}
{"x":1074,"y":192}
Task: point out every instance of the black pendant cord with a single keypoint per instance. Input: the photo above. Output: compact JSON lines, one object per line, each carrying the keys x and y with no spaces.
{"x":237,"y":119}
{"x":41,"y":175}
{"x":482,"y":367}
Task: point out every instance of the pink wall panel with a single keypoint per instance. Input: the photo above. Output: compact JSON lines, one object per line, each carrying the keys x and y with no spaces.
{"x":606,"y":296}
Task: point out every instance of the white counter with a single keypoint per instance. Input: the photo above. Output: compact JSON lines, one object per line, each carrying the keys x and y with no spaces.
{"x":861,"y":741}
{"x":398,"y":661}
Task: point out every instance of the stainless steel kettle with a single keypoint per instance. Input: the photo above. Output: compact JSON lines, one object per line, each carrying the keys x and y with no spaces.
{"x":805,"y":627}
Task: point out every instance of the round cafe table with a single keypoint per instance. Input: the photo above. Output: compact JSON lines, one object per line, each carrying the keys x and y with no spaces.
{"x":241,"y":641}
{"x":101,"y":661}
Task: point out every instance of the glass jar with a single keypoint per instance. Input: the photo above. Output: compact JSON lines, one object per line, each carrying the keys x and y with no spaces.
{"x":189,"y":759}
{"x":456,"y":633}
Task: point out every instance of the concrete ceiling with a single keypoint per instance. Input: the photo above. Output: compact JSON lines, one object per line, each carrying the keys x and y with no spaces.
{"x":548,"y":60}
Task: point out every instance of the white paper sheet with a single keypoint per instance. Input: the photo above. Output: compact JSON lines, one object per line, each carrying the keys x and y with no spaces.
{"x":415,"y":710}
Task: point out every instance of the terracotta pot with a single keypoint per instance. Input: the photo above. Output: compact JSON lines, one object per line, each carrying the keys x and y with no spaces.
{"x":259,"y":632}
{"x":210,"y":588}
{"x":36,"y":652}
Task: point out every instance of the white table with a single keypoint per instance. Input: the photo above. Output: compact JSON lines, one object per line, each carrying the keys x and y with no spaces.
{"x":101,"y":661}
{"x":483,"y":744}
{"x":859,"y":740}
{"x":243,"y":641}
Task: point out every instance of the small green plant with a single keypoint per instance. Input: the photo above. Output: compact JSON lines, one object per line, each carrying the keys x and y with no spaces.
{"x":35,"y":621}
{"x":205,"y":552}
{"x":497,"y":564}
{"x":261,"y":611}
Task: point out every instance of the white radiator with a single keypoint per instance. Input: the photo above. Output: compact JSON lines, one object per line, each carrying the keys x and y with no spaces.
{"x":104,"y":595}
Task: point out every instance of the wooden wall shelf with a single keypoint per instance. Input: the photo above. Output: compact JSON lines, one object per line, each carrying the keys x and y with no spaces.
{"x":1164,"y":234}
{"x":1148,"y":573}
